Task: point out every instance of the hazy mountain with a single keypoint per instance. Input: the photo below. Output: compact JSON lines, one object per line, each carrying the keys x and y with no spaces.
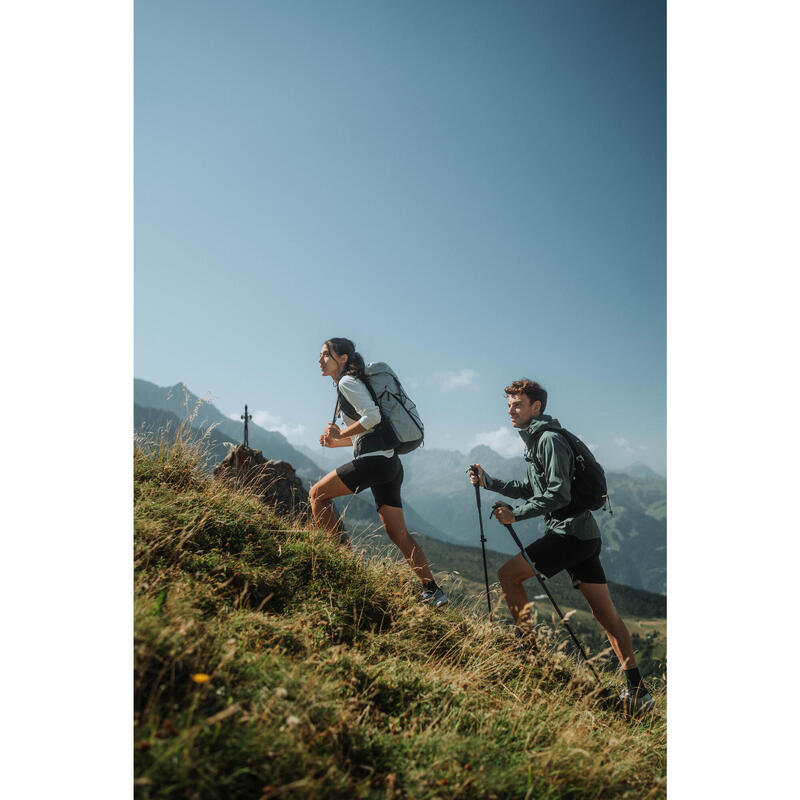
{"x":327,"y":458}
{"x":439,"y":501}
{"x":170,"y":408}
{"x":181,"y":402}
{"x":634,"y":535}
{"x":154,"y":423}
{"x":640,"y":470}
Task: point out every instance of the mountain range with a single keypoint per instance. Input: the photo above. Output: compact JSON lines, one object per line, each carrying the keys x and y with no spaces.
{"x":439,"y":501}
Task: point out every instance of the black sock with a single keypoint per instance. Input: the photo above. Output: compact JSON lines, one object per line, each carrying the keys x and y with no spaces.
{"x":429,"y":586}
{"x":634,"y":678}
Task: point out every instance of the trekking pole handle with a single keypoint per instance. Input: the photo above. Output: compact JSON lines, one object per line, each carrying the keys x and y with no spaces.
{"x":499,"y":504}
{"x":472,"y":471}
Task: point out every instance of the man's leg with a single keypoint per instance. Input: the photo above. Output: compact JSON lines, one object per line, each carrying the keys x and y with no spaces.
{"x":511,"y":576}
{"x":606,"y":614}
{"x":320,"y":496}
{"x":636,"y":696}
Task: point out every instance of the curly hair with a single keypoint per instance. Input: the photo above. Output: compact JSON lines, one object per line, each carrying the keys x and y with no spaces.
{"x":533,"y":390}
{"x":355,"y":361}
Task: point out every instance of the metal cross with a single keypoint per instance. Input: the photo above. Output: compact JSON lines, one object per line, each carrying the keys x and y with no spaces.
{"x":246,"y":417}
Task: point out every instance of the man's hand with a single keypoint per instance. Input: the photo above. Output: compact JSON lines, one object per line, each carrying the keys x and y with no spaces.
{"x":504,"y":515}
{"x":476,"y":475}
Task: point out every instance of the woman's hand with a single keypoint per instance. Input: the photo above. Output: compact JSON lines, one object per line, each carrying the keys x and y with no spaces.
{"x":330,"y":436}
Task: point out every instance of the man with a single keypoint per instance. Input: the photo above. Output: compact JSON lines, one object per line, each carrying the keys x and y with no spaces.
{"x":571,"y":540}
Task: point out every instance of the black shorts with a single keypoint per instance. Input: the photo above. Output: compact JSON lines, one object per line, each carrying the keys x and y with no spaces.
{"x":579,"y":557}
{"x":383,"y":475}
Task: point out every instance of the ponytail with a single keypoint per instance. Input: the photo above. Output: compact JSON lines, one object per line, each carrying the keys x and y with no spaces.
{"x":355,"y":361}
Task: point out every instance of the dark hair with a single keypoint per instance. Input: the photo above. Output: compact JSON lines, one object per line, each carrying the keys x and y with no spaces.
{"x":531,"y":388}
{"x":355,"y":361}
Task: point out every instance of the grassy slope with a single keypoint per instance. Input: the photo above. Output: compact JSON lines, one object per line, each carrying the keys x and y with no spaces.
{"x":644,"y":612}
{"x":329,"y":679}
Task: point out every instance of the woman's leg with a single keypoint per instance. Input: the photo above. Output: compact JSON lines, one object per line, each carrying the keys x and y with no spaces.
{"x":394,"y":523}
{"x":320,"y":496}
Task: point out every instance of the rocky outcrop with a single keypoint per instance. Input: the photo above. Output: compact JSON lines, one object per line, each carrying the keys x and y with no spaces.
{"x":275,"y":483}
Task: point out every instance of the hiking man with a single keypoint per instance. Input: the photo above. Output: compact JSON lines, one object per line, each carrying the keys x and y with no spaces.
{"x":571,"y":540}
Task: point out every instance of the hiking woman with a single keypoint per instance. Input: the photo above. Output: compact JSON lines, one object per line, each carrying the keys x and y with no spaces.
{"x":373,"y":466}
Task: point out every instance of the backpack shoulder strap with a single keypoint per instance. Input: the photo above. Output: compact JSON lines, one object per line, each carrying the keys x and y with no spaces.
{"x":537,"y":439}
{"x":372,"y":394}
{"x":371,"y":391}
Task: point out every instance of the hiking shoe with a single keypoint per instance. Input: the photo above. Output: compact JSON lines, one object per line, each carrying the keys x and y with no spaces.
{"x":636,"y":700}
{"x":437,"y":599}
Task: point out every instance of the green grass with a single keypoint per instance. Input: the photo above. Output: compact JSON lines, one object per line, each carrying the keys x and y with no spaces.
{"x":643,"y":612}
{"x":327,"y":678}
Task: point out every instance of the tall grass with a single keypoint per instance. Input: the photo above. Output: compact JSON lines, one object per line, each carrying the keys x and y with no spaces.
{"x":273,"y":662}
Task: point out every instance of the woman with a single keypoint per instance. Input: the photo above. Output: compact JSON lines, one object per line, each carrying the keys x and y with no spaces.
{"x":374,"y":466}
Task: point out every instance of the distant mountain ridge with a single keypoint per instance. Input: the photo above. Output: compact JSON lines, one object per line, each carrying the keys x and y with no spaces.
{"x":173,"y":404}
{"x":634,"y":535}
{"x":182,"y":402}
{"x":440,"y":502}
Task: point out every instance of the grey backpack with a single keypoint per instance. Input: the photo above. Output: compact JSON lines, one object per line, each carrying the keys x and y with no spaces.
{"x":402,"y":426}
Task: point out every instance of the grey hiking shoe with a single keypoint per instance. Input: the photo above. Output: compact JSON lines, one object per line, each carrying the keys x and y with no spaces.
{"x":636,"y":700}
{"x":437,"y":599}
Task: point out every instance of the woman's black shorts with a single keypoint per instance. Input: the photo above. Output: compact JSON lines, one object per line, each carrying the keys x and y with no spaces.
{"x":579,"y":557}
{"x":383,"y":475}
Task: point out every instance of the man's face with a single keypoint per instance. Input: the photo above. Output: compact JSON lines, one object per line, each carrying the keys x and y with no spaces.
{"x":522,"y":411}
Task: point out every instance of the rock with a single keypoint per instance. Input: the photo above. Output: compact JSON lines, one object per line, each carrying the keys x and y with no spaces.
{"x":275,"y":483}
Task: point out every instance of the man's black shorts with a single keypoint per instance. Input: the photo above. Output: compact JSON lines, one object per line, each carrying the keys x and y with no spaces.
{"x":579,"y":557}
{"x":383,"y":475}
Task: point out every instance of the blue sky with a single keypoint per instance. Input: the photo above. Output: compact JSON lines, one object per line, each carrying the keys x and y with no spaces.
{"x":471,"y":191}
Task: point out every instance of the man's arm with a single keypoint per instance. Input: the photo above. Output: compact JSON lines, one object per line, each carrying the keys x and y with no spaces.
{"x":557,"y":460}
{"x":515,"y":489}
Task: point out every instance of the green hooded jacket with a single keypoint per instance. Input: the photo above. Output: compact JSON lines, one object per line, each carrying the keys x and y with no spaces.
{"x":550,"y":491}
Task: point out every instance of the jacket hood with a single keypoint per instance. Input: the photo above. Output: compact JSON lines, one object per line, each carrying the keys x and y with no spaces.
{"x":540,"y":423}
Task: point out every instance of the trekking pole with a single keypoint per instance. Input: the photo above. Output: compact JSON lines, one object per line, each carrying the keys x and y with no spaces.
{"x":483,"y":539}
{"x":539,"y":577}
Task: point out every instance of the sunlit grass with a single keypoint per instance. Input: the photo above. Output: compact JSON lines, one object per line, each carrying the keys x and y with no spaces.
{"x":271,"y":661}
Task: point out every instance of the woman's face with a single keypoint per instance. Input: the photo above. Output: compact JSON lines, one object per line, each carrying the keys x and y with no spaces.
{"x":331,"y":364}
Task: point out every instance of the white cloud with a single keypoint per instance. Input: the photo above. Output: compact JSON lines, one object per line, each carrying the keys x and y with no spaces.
{"x":505,"y":441}
{"x":624,"y":445}
{"x":271,"y":422}
{"x":591,"y":445}
{"x":463,"y":379}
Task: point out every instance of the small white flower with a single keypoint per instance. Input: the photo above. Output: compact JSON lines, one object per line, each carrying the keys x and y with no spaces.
{"x":292,"y":721}
{"x":281,"y":692}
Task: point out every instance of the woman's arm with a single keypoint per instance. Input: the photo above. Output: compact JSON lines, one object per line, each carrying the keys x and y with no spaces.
{"x":357,"y":394}
{"x":332,"y":437}
{"x":336,"y":437}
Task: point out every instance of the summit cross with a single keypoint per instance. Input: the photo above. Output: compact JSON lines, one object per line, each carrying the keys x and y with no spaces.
{"x":246,"y":417}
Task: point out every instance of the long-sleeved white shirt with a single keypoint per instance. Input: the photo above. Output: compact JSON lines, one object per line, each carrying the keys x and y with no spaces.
{"x":357,"y":394}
